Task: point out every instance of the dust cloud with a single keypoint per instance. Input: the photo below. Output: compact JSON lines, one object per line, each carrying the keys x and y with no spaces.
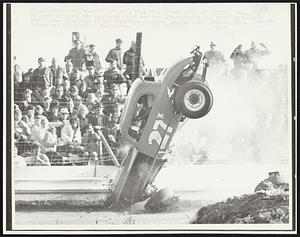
{"x":247,"y":123}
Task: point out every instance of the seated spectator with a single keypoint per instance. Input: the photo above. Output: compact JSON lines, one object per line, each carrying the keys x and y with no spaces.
{"x":83,"y":120}
{"x":90,"y":79}
{"x":59,"y":94}
{"x":68,"y":70}
{"x":74,"y":92}
{"x":19,"y":161}
{"x":21,"y":127}
{"x":23,"y":105}
{"x":66,"y":87}
{"x":83,"y":93}
{"x":50,"y":140}
{"x":46,"y":107}
{"x":90,"y":140}
{"x":37,"y":158}
{"x":54,"y":108}
{"x":112,"y":100}
{"x":39,"y":110}
{"x":30,"y":112}
{"x":91,"y":101}
{"x":37,"y":97}
{"x":78,"y":105}
{"x":113,"y":76}
{"x":37,"y":131}
{"x":99,"y":87}
{"x":76,"y":78}
{"x":98,"y":118}
{"x":23,"y":85}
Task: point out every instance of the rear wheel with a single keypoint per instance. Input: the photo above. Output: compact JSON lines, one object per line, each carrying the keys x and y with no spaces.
{"x":193,"y":99}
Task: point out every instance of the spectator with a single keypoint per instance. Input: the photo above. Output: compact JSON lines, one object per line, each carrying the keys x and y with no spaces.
{"x":115,"y":54}
{"x":91,"y":58}
{"x":76,"y":55}
{"x":59,"y":94}
{"x":38,"y":158}
{"x":99,"y":118}
{"x":54,"y":108}
{"x":76,"y":77}
{"x":113,"y":76}
{"x":19,"y":161}
{"x":60,"y":76}
{"x":90,"y":140}
{"x":90,"y":79}
{"x":30,"y":112}
{"x":83,"y":93}
{"x":42,"y":76}
{"x":78,"y":105}
{"x":99,"y":87}
{"x":91,"y":101}
{"x":68,"y":70}
{"x":66,"y":86}
{"x":83,"y":120}
{"x":46,"y":107}
{"x":56,"y":71}
{"x":112,"y":100}
{"x":21,"y":126}
{"x":37,"y":131}
{"x":23,"y":105}
{"x":74,"y":92}
{"x":129,"y":61}
{"x":23,"y":85}
{"x":214,"y":57}
{"x":18,"y":72}
{"x":37,"y":97}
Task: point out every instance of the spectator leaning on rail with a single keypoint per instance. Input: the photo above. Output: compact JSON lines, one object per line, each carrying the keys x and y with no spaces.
{"x":37,"y":158}
{"x":41,"y":77}
{"x":115,"y":54}
{"x":76,"y":55}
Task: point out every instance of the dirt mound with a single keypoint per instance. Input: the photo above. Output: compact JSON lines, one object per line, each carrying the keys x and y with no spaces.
{"x":254,"y":208}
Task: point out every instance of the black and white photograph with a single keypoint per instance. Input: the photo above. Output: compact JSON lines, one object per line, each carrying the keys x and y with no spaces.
{"x":149,"y":118}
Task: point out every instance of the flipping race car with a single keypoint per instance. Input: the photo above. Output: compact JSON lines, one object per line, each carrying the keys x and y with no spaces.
{"x":152,"y":113}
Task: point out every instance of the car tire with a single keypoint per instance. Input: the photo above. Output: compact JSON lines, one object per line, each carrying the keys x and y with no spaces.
{"x":193,"y":99}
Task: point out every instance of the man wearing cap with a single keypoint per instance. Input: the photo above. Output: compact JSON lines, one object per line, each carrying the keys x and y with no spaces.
{"x":76,"y":55}
{"x":213,"y":56}
{"x":42,"y":76}
{"x":115,"y":54}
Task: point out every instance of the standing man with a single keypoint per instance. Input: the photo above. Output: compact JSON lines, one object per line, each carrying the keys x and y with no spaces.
{"x":115,"y":54}
{"x":42,"y":76}
{"x":239,"y":62}
{"x":76,"y":55}
{"x":128,"y":60}
{"x":56,"y":71}
{"x":214,"y":57}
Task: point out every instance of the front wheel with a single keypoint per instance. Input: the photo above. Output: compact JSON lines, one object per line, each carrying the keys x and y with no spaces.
{"x":193,"y":99}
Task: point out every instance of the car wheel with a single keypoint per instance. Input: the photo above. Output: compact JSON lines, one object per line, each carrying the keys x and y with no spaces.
{"x":193,"y":99}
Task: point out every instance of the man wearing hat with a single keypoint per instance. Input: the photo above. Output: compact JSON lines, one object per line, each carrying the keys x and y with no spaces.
{"x":42,"y":76}
{"x":90,"y":79}
{"x":115,"y":54}
{"x":76,"y":55}
{"x":213,"y":56}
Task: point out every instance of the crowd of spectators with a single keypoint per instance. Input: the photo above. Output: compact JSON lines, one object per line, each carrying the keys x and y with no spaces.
{"x":65,"y":111}
{"x":61,"y":111}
